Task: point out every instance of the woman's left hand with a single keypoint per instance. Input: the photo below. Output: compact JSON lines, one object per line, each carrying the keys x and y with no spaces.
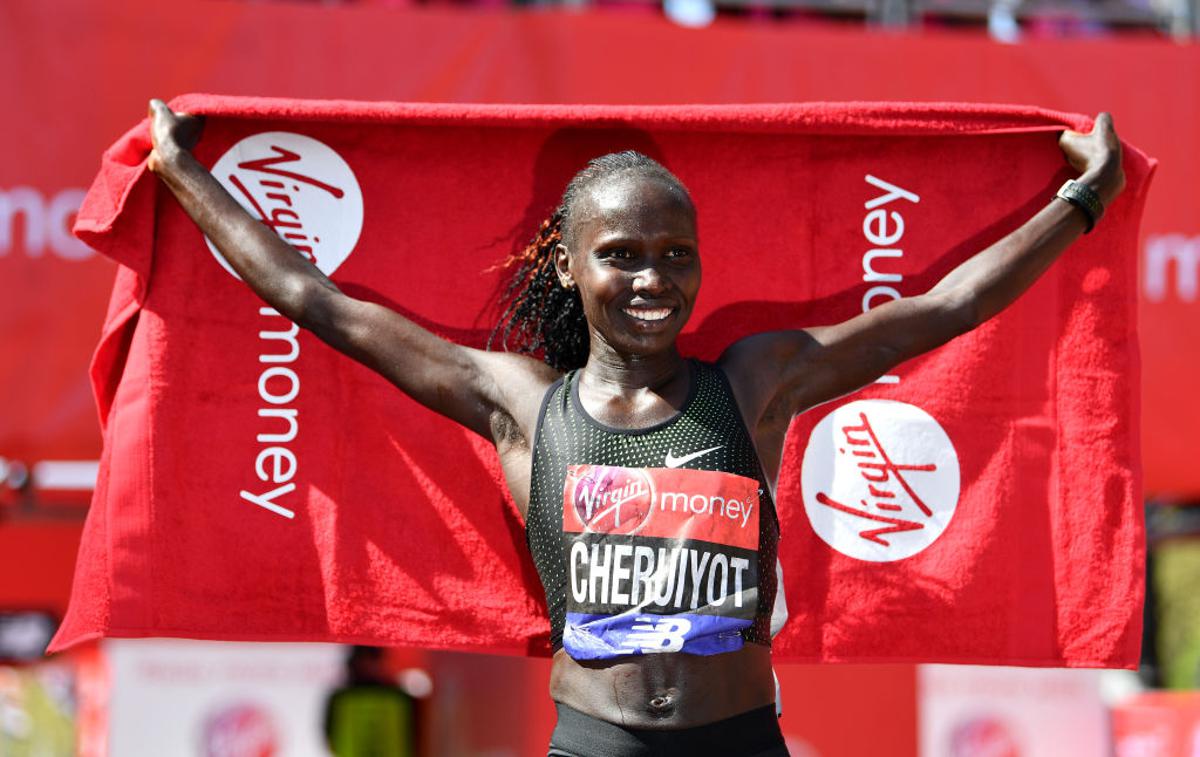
{"x":1097,"y":157}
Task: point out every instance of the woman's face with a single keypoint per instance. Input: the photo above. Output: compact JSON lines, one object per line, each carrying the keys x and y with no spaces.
{"x":634,"y":255}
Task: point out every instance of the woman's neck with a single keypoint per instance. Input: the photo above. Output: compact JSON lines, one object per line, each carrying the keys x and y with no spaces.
{"x":622,"y":374}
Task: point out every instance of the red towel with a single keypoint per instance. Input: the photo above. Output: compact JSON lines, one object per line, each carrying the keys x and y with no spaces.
{"x":983,"y":507}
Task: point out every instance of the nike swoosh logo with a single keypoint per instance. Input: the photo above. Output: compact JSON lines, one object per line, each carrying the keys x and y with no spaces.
{"x":675,"y":462}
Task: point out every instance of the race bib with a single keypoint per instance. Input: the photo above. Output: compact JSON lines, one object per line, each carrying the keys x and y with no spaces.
{"x":658,"y":560}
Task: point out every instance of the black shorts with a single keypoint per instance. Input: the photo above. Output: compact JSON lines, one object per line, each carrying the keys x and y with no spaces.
{"x":752,"y":734}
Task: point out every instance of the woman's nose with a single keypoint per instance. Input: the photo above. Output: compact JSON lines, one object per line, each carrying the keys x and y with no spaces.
{"x":649,"y":280}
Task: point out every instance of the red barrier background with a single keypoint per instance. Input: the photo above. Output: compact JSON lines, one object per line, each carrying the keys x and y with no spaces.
{"x":76,"y":73}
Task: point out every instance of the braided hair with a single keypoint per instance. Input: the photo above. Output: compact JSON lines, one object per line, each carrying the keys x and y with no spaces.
{"x":541,"y":316}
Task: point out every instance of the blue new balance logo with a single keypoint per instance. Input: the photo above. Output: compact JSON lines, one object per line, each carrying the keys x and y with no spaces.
{"x":653,"y":634}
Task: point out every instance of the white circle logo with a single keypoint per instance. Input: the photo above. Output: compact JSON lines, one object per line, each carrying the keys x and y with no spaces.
{"x":301,"y":189}
{"x":880,"y":480}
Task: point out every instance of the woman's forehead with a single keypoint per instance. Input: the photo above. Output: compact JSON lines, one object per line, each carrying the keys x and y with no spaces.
{"x":627,"y":190}
{"x":635,"y":202}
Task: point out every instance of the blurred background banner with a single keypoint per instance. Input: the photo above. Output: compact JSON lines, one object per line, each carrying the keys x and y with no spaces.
{"x":1004,"y":712}
{"x":75,"y":73}
{"x":222,"y":700}
{"x":1157,"y":723}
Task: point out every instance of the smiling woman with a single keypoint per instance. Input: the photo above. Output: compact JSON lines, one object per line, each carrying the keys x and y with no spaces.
{"x":545,"y":314}
{"x":630,"y":249}
{"x":645,"y":478}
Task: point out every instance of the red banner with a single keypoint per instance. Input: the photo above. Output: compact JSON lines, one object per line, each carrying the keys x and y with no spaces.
{"x":244,"y":460}
{"x":69,"y":94}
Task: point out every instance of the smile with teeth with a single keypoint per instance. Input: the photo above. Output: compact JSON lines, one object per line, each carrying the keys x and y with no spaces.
{"x":647,"y":314}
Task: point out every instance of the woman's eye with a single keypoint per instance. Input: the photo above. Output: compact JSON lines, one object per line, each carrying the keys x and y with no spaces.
{"x":679,"y":252}
{"x":620,"y":253}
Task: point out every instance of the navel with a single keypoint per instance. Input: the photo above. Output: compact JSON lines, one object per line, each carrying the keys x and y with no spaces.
{"x":663,"y":704}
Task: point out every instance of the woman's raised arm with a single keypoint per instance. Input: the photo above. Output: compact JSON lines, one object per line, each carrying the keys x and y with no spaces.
{"x":481,"y":390}
{"x":815,"y":365}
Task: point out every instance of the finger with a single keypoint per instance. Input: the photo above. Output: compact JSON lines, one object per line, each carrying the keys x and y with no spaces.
{"x":1069,"y":139}
{"x":1103,"y":126}
{"x":159,"y":111}
{"x":1109,"y":129}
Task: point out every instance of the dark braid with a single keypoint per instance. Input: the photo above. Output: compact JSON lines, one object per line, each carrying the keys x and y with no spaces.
{"x":541,"y":316}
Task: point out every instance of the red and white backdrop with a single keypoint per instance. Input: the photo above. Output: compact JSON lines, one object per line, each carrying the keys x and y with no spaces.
{"x":76,"y":73}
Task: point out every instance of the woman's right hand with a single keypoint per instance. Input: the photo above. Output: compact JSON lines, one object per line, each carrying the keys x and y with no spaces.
{"x":172,"y":135}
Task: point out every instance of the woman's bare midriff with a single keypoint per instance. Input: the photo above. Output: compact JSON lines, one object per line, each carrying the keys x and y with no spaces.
{"x":665,"y":691}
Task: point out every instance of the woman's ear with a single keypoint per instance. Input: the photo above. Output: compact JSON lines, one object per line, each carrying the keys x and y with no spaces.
{"x":562,"y":264}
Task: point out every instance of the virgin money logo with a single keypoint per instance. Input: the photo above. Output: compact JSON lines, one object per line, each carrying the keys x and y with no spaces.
{"x":988,"y":736}
{"x":613,"y":500}
{"x":880,"y":480}
{"x":301,"y":189}
{"x":240,"y":730}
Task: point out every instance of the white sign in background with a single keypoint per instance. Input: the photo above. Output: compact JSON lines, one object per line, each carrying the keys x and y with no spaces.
{"x":219,"y":699}
{"x":968,"y":711}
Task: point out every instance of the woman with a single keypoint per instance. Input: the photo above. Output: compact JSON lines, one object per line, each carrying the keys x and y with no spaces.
{"x":603,"y":291}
